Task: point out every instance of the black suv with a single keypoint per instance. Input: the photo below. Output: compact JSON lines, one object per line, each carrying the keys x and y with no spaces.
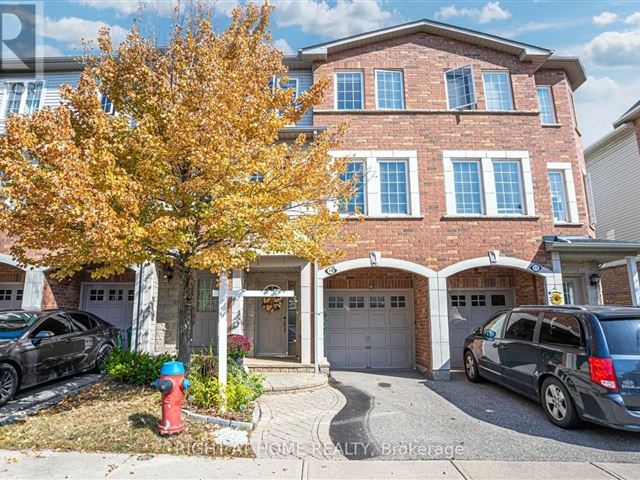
{"x":580,"y":362}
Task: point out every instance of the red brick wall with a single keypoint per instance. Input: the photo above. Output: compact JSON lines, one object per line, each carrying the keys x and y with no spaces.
{"x":370,"y":278}
{"x":436,"y":241}
{"x":615,"y":286}
{"x":9,"y":273}
{"x":528,"y":288}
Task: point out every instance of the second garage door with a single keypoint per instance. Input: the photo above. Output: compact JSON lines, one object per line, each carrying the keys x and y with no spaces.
{"x":112,"y":302}
{"x":370,"y":329}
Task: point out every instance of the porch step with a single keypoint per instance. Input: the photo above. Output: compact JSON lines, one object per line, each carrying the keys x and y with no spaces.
{"x":288,"y":369}
{"x":282,"y":383}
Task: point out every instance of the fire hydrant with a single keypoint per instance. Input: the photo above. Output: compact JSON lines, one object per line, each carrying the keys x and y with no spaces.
{"x":171,"y":384}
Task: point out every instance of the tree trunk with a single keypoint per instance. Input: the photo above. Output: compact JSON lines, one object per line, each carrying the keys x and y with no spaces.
{"x":185,"y":312}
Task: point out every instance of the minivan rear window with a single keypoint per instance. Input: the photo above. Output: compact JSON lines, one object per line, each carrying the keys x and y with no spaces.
{"x":622,"y":335}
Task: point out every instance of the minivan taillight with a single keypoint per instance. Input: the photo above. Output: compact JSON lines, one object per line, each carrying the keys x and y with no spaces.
{"x":603,"y":373}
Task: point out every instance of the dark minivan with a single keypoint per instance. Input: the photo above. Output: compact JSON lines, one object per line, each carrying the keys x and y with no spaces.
{"x":580,"y":362}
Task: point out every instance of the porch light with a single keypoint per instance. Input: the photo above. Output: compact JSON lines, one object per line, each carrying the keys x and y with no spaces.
{"x":594,"y":279}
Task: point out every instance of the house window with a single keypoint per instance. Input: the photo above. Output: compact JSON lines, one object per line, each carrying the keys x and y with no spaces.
{"x":466,"y":175}
{"x":545,"y":103}
{"x":336,"y":302}
{"x":508,"y":187}
{"x":24,"y":97}
{"x":356,"y":204}
{"x":376,"y":301}
{"x":256,"y":177}
{"x":356,"y":301}
{"x":558,"y":196}
{"x":460,"y":89}
{"x":106,"y":104}
{"x":497,"y":91}
{"x":349,"y":91}
{"x":393,"y":187}
{"x":398,"y":301}
{"x":389,"y":89}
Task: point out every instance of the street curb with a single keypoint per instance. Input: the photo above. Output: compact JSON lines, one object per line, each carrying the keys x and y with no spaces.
{"x":224,"y":422}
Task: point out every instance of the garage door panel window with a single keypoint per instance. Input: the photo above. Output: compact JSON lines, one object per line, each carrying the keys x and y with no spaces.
{"x":376,"y":301}
{"x":5,"y":294}
{"x":130,"y":295}
{"x":356,"y":301}
{"x":560,"y":329}
{"x":398,"y":301}
{"x":336,"y":301}
{"x":458,"y":301}
{"x":96,"y":295}
{"x":498,"y":300}
{"x":521,"y":326}
{"x":478,"y":300}
{"x":116,"y":295}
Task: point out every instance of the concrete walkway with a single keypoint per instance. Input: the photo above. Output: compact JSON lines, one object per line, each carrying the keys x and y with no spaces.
{"x":297,"y":425}
{"x":281,"y":383}
{"x":33,"y":399}
{"x":57,"y":465}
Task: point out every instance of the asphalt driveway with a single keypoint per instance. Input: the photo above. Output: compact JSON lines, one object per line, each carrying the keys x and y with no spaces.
{"x":400,"y":415}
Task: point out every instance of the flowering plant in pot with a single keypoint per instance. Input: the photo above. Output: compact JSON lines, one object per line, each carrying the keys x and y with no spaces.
{"x":238,"y":346}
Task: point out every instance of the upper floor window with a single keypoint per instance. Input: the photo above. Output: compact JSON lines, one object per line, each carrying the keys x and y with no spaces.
{"x":497,"y":91}
{"x":393,"y":187}
{"x":508,"y":187}
{"x":558,"y":196}
{"x":545,"y":103}
{"x":389,"y":89}
{"x":349,"y":91}
{"x":460,"y":88}
{"x":107,"y":104}
{"x":466,"y":175}
{"x":356,"y":204}
{"x":24,"y":98}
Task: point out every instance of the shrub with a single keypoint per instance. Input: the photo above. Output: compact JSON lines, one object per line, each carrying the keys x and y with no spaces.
{"x":204,"y":392}
{"x":238,"y":345}
{"x":254,"y":381}
{"x":238,"y":396}
{"x":133,"y":367}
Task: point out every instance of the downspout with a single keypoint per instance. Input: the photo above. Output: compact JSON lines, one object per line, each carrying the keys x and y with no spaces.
{"x":316,"y":357}
{"x":139,"y":309}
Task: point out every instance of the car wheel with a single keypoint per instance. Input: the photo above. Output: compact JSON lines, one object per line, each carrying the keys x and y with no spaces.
{"x":471,"y":367}
{"x":557,"y":404}
{"x":101,"y":357}
{"x":8,"y":383}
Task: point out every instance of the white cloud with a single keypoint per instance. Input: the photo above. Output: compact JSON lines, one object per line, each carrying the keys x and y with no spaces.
{"x":600,"y":102}
{"x":282,"y":45}
{"x":158,"y":7}
{"x":49,"y":51}
{"x":72,"y":30}
{"x":633,"y":19}
{"x":614,"y":49}
{"x":489,"y":12}
{"x":346,"y":17}
{"x":605,"y":18}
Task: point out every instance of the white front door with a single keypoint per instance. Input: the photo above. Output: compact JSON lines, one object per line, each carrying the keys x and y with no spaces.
{"x":111,"y":301}
{"x":370,"y":329}
{"x":272,"y":329}
{"x":11,"y":295}
{"x":469,"y":309}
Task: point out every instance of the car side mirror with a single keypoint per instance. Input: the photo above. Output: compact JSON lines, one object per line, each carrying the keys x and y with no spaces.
{"x":489,"y":335}
{"x":44,"y":334}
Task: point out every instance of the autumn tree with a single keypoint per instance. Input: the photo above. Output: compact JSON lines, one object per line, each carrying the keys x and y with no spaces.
{"x":189,"y":172}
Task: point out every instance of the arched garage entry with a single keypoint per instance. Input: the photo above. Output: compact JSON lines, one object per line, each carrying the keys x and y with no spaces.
{"x":377,"y":316}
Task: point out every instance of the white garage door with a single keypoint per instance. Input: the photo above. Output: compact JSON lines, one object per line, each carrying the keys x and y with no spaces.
{"x":370,"y":329}
{"x":11,"y":295}
{"x":469,"y":309}
{"x":112,"y":302}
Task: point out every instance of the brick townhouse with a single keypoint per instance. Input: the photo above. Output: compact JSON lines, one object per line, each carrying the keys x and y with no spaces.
{"x":472,"y":191}
{"x":613,"y":171}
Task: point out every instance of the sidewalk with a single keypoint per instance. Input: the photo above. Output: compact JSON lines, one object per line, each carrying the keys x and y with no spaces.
{"x":54,"y":465}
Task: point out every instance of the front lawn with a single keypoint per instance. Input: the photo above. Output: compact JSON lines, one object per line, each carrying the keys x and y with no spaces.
{"x":112,"y":417}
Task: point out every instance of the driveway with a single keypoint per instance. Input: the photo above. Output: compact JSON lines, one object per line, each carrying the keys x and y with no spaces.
{"x":400,"y":415}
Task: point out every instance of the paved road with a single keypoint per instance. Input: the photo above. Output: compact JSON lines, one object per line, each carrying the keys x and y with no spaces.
{"x":389,"y":412}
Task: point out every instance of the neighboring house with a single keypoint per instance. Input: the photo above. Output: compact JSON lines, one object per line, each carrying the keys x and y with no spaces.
{"x":613,"y":169}
{"x":473,"y":196}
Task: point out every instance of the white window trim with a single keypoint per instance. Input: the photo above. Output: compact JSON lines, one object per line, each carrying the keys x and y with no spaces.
{"x":275,"y":82}
{"x":570,"y":189}
{"x":484,"y":89}
{"x":335,"y":90}
{"x":23,"y":100}
{"x":372,"y":188}
{"x":553,"y":104}
{"x":473,"y":85}
{"x":378,"y":107}
{"x":490,"y":201}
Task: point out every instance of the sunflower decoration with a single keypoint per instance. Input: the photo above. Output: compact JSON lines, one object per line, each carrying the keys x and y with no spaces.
{"x":272,"y":304}
{"x":556,"y":297}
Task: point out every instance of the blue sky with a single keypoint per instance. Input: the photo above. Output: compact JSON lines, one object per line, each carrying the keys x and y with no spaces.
{"x":606,"y":35}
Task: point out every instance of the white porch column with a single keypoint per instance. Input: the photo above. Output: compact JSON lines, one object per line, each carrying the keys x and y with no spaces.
{"x":634,"y":281}
{"x":553,"y":281}
{"x":32,"y":290}
{"x":305,"y":313}
{"x":145,"y":307}
{"x":439,"y":320}
{"x":222,"y":329}
{"x":237,"y":306}
{"x":319,"y":320}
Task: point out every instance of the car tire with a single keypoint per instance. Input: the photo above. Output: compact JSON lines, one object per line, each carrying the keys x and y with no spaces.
{"x":471,"y":367}
{"x":8,"y":382}
{"x":101,"y":356}
{"x":557,"y":404}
